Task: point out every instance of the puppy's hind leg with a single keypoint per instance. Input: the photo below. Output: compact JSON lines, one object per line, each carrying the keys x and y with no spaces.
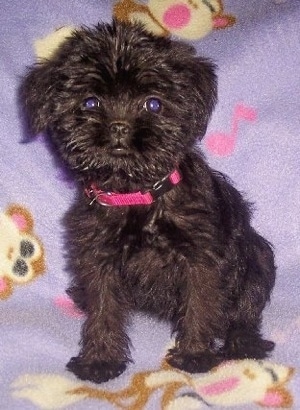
{"x":245,"y":342}
{"x":243,"y":338}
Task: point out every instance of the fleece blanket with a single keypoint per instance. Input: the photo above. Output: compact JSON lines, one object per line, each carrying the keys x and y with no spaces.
{"x":254,"y":137}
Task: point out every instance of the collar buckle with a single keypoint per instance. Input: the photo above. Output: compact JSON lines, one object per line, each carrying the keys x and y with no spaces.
{"x":161,"y":187}
{"x":97,"y":196}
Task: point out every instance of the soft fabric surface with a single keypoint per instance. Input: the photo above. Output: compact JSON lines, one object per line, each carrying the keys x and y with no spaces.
{"x":254,"y":137}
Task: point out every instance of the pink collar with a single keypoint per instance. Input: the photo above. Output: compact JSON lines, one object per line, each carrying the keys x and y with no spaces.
{"x":134,"y":198}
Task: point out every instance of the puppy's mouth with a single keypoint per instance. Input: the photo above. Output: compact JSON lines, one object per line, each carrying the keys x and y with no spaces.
{"x":119,"y":151}
{"x":119,"y":148}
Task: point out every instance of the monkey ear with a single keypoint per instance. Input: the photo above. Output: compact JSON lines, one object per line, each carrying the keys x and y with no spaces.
{"x":21,"y":218}
{"x":46,"y":47}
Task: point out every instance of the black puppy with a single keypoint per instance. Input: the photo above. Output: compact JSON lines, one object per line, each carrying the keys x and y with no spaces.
{"x":153,"y":228}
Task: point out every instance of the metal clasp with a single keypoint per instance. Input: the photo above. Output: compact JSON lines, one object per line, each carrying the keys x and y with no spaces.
{"x":161,"y":187}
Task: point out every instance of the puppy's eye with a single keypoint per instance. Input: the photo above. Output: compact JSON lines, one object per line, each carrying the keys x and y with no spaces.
{"x":91,"y":102}
{"x":153,"y":105}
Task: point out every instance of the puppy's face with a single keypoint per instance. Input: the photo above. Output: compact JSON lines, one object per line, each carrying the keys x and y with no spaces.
{"x":115,"y":99}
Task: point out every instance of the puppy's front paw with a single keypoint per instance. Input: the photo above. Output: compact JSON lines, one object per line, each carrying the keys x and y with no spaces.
{"x":193,"y":363}
{"x":97,"y":371}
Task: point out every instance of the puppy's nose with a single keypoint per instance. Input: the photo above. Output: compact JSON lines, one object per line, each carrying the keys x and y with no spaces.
{"x":119,"y":129}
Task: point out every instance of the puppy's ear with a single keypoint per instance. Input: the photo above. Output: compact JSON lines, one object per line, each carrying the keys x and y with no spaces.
{"x":204,"y":87}
{"x":36,"y":97}
{"x":197,"y":80}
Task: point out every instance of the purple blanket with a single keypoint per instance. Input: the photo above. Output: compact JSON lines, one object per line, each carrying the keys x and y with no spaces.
{"x":254,"y":137}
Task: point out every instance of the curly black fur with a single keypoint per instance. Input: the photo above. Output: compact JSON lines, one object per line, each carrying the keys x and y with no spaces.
{"x":192,"y":257}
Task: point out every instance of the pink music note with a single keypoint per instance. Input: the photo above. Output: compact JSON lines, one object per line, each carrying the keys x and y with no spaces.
{"x":222,"y":144}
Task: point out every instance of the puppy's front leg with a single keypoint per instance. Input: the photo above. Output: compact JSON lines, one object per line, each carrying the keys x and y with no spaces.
{"x":200,"y":321}
{"x":105,"y":345}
